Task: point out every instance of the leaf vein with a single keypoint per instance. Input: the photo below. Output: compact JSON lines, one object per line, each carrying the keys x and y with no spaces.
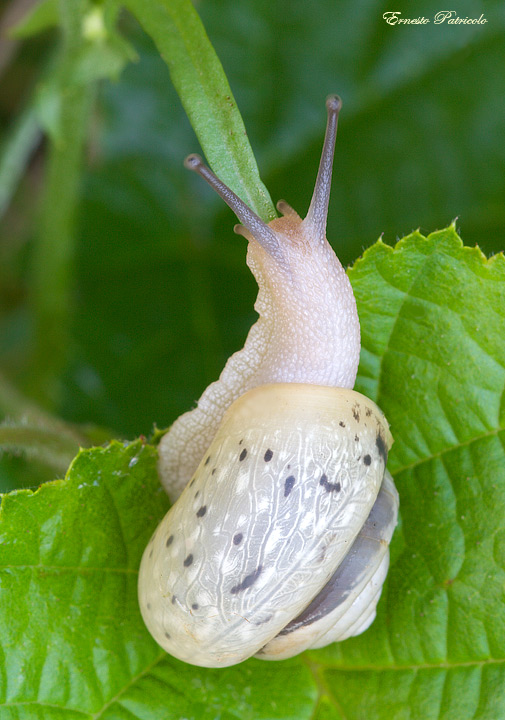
{"x":128,"y":685}
{"x":452,"y":448}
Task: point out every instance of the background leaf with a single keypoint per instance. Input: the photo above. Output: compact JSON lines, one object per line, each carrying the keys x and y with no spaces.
{"x":73,"y":643}
{"x":161,"y":292}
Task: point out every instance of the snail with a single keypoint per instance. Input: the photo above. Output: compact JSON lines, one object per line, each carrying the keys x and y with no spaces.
{"x":278,"y":538}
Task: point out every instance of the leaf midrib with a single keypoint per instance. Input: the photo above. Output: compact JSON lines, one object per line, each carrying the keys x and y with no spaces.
{"x":125,"y":687}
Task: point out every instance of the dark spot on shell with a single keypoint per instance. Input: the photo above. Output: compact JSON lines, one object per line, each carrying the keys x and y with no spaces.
{"x":192,"y":482}
{"x":213,"y":471}
{"x":241,"y":441}
{"x":208,"y":459}
{"x":381,"y":447}
{"x":243,"y":455}
{"x":356,"y":438}
{"x":148,"y":606}
{"x":201,"y":512}
{"x":195,"y":606}
{"x":167,"y":635}
{"x":355,"y":413}
{"x":367,"y":460}
{"x":151,"y":553}
{"x":328,"y":486}
{"x":237,"y":539}
{"x":169,"y":540}
{"x":268,"y":455}
{"x":288,"y":485}
{"x":368,"y":412}
{"x":188,"y":560}
{"x":342,"y":423}
{"x":174,"y":599}
{"x":197,"y":494}
{"x":247,"y":582}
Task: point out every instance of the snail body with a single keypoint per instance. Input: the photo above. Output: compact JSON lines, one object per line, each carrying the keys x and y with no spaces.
{"x":279,"y":541}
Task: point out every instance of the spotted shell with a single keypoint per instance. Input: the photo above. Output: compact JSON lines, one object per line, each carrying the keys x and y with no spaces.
{"x":289,"y":505}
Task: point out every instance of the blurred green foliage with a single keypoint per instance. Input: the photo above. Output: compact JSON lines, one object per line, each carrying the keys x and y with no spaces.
{"x":160,"y":293}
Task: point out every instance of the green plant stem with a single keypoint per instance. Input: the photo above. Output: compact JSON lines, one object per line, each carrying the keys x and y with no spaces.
{"x":18,"y":408}
{"x":54,"y":247}
{"x":35,"y":433}
{"x":46,"y":445}
{"x":201,"y":83}
{"x":54,"y":250}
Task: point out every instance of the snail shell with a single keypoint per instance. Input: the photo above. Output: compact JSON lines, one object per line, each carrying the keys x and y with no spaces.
{"x":279,"y":541}
{"x":274,"y":507}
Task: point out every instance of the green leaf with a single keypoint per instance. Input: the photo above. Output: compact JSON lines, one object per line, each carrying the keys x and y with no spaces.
{"x":69,"y":552}
{"x":199,"y":78}
{"x":73,"y":643}
{"x":433,"y":322}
